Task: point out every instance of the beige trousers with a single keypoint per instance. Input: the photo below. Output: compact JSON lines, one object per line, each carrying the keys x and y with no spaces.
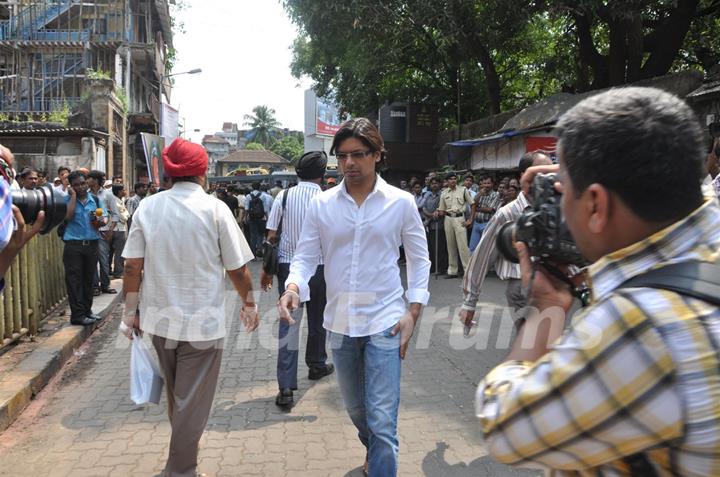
{"x":191,"y":372}
{"x":457,"y":242}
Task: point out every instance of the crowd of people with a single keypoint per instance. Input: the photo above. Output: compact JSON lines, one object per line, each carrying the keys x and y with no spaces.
{"x":626,"y":386}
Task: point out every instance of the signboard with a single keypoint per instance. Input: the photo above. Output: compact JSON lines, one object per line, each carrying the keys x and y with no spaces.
{"x":169,"y":123}
{"x":327,"y":118}
{"x":546,"y":144}
{"x":153,"y":146}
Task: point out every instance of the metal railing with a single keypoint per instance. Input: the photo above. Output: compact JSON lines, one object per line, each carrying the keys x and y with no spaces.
{"x":34,"y":285}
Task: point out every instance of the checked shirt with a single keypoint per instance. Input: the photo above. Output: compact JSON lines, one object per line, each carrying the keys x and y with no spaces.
{"x":637,"y":372}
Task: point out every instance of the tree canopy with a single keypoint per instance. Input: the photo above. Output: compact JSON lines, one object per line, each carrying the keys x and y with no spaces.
{"x":290,"y":147}
{"x":472,"y":58}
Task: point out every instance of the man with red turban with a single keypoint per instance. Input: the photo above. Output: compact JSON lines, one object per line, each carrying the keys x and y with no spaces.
{"x":181,"y":245}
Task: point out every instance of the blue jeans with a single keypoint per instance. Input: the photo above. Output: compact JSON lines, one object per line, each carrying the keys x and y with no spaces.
{"x":368,"y":373}
{"x":477,"y":231}
{"x":289,"y":338}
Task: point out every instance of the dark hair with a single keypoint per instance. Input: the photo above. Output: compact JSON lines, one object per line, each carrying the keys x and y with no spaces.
{"x":97,"y":175}
{"x":434,"y":179}
{"x":117,"y":188}
{"x":528,"y":159}
{"x":139,"y":185}
{"x":449,"y":175}
{"x":643,"y":144}
{"x":26,"y":171}
{"x":74,"y":175}
{"x":255,"y":185}
{"x":63,"y":168}
{"x":365,"y":131}
{"x":469,"y":175}
{"x":42,"y":173}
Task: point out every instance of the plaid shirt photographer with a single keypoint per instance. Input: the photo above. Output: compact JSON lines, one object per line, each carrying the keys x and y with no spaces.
{"x":632,"y":387}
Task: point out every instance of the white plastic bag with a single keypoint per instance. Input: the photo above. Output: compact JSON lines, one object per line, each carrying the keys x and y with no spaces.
{"x":146,"y":382}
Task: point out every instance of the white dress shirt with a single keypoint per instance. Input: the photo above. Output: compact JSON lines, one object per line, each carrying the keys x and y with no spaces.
{"x":188,"y":239}
{"x":298,"y":200}
{"x":360,"y":247}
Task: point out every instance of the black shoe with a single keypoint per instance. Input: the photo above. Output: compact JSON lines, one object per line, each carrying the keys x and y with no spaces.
{"x":97,"y":291}
{"x":285,"y":398}
{"x":320,"y":372}
{"x":450,"y":276}
{"x":95,"y":317}
{"x":111,"y":291}
{"x":84,"y":321}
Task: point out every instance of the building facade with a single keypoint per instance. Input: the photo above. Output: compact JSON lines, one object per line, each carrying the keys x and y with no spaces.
{"x":94,"y":65}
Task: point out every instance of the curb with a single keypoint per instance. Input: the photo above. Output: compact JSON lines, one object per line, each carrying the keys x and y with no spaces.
{"x":35,"y":371}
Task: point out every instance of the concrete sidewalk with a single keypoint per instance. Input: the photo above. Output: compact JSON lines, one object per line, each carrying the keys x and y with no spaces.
{"x":30,"y":375}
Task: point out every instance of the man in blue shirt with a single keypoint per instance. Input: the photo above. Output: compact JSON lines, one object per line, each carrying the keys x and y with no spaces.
{"x":80,"y":256}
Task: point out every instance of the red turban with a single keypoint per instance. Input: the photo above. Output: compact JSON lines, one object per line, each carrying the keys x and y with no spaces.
{"x":184,"y":159}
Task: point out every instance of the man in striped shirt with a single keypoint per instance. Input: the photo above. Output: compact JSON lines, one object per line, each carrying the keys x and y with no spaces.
{"x":310,"y":169}
{"x":631,"y":387}
{"x":485,"y":251}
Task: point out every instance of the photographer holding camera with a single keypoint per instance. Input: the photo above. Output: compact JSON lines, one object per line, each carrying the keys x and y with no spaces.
{"x":13,"y":235}
{"x":631,"y":387}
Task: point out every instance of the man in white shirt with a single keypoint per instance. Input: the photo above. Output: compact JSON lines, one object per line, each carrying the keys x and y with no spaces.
{"x":357,"y":229}
{"x":60,"y":183}
{"x":96,"y":181}
{"x":286,"y":219}
{"x":257,"y":215}
{"x":182,"y":245}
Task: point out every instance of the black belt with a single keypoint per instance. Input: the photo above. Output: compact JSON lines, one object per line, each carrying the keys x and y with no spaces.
{"x":454,"y":214}
{"x":84,"y":243}
{"x":482,"y":221}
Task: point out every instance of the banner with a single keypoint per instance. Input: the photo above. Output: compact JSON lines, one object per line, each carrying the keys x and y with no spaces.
{"x":327,"y":118}
{"x":169,"y":123}
{"x":153,"y":146}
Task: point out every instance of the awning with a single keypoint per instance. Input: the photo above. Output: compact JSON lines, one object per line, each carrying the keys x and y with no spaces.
{"x":498,"y":136}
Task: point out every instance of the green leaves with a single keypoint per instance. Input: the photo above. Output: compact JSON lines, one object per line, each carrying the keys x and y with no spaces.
{"x":263,"y":124}
{"x":472,"y":58}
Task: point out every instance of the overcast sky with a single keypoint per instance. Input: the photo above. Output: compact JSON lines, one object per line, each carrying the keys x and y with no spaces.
{"x":243,"y":48}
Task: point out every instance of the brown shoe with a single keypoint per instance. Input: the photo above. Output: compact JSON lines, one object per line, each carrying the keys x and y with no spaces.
{"x":365,"y":467}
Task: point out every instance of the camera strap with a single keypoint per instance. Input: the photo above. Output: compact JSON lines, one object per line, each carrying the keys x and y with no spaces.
{"x":695,"y":279}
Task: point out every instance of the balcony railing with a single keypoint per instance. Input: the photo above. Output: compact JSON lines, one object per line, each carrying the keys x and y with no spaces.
{"x":61,"y":35}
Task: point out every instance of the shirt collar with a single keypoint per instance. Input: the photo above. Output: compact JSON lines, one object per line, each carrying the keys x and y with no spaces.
{"x":696,"y":237}
{"x":185,"y":186}
{"x":308,"y":185}
{"x":380,"y":186}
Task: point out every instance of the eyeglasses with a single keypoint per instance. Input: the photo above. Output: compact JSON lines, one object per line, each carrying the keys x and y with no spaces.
{"x":355,"y":155}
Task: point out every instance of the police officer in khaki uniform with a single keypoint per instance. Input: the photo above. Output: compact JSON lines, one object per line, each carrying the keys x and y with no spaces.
{"x":452,"y":205}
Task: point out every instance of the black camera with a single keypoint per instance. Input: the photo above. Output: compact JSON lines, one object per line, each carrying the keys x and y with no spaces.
{"x":31,"y":202}
{"x":541,"y":227}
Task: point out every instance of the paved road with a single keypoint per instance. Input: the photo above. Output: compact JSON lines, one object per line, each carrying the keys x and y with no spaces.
{"x":84,"y":423}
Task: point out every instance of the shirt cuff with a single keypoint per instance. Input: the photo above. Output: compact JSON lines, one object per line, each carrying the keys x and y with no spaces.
{"x":302,"y":286}
{"x":417,"y":295}
{"x":469,"y":303}
{"x":496,"y":384}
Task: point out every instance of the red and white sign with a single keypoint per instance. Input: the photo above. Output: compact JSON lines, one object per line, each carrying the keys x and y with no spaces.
{"x":327,"y":118}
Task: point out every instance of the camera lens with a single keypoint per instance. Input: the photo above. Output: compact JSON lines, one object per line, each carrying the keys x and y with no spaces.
{"x":31,"y":202}
{"x":505,"y":242}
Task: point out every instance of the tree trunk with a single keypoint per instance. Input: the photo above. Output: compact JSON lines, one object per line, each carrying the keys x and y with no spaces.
{"x":670,"y":37}
{"x":589,"y":56}
{"x":634,"y":47}
{"x":618,"y":52}
{"x":492,"y":79}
